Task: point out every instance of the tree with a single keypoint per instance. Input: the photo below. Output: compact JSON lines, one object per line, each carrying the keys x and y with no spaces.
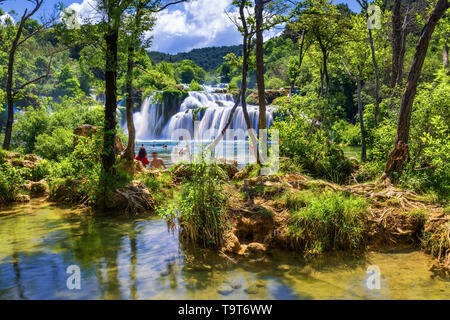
{"x":142,"y":20}
{"x":262,"y":125}
{"x":247,"y":34}
{"x":113,"y":10}
{"x":263,"y":23}
{"x":12,"y":89}
{"x":327,"y":25}
{"x":356,"y":54}
{"x":365,"y":6}
{"x":400,"y":152}
{"x":246,"y":27}
{"x":399,"y":30}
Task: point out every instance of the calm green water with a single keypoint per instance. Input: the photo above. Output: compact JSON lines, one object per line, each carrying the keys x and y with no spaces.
{"x":139,"y":259}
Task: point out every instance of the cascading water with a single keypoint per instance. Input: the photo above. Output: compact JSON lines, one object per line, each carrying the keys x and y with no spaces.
{"x":211,"y":109}
{"x":150,"y":120}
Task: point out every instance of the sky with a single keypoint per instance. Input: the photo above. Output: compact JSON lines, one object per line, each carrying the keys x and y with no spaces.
{"x":181,"y":28}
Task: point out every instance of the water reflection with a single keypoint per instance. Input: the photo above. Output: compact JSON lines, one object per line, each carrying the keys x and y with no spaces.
{"x":139,"y":259}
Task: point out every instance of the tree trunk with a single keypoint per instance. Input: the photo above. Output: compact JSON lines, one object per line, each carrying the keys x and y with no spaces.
{"x":129,"y":151}
{"x":321,"y":83}
{"x":445,"y":56}
{"x":401,"y":56}
{"x":9,"y":83}
{"x":361,"y":119}
{"x":108,"y":155}
{"x":400,"y":153}
{"x":245,"y":53}
{"x":262,"y":126}
{"x":325,"y":71}
{"x":213,"y":145}
{"x":377,"y":75}
{"x":377,"y":79}
{"x":396,"y":40}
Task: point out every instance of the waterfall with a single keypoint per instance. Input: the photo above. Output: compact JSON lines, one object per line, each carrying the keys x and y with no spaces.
{"x":211,"y":109}
{"x":150,"y":120}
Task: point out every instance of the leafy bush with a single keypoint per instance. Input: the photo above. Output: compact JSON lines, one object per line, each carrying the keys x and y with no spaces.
{"x":50,"y":116}
{"x":42,"y":170}
{"x":55,"y":145}
{"x":325,"y":222}
{"x":194,"y":86}
{"x":275,"y":83}
{"x":83,"y":166}
{"x":307,"y":141}
{"x":346,"y":133}
{"x":11,"y":179}
{"x":201,"y":210}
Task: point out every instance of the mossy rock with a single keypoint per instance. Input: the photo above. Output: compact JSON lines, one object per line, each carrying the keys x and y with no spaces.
{"x":39,"y":189}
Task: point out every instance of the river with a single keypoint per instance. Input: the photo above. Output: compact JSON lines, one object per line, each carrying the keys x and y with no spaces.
{"x":123,"y":258}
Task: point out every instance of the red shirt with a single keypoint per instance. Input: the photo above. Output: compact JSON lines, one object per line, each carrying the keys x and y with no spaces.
{"x":144,"y":160}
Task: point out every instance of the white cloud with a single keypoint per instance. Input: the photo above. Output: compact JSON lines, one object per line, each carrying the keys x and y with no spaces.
{"x":85,"y":10}
{"x":196,"y":24}
{"x":183,"y":27}
{"x":5,"y":17}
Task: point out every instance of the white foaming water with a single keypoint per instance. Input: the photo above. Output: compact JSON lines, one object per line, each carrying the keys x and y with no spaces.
{"x":211,"y":109}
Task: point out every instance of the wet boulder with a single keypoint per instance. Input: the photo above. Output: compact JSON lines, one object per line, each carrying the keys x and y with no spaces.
{"x":134,"y":199}
{"x":231,"y":243}
{"x":255,"y":249}
{"x":39,"y":189}
{"x":22,"y":198}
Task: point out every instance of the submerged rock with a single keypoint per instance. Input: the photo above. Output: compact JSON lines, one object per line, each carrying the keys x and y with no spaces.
{"x":225,"y":290}
{"x":255,"y":288}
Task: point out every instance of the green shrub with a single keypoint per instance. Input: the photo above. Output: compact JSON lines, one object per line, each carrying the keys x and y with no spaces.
{"x":194,"y":86}
{"x":307,"y":142}
{"x":42,"y":170}
{"x":3,"y":155}
{"x":202,"y":207}
{"x":11,"y":180}
{"x":55,"y":145}
{"x":346,"y":133}
{"x":53,"y":118}
{"x":325,"y":222}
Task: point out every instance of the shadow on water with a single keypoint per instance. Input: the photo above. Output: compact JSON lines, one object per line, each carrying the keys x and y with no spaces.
{"x":123,"y":258}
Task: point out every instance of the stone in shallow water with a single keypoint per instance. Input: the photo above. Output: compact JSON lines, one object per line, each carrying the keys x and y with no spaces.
{"x":225,"y":290}
{"x":255,"y":288}
{"x":283,"y":267}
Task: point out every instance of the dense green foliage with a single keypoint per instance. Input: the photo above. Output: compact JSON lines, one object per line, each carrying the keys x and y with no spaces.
{"x":209,"y":58}
{"x":48,"y":129}
{"x":304,"y":130}
{"x":315,"y":122}
{"x":428,"y":167}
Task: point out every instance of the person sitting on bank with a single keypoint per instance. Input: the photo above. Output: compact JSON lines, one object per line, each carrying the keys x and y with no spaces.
{"x":157,"y":162}
{"x":142,"y":156}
